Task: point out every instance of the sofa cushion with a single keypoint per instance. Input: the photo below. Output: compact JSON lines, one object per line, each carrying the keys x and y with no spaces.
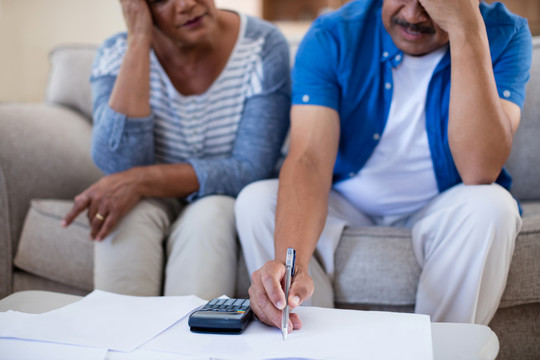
{"x":523,"y":285}
{"x":46,"y":249}
{"x":376,"y":265}
{"x":524,"y":162}
{"x":69,"y":83}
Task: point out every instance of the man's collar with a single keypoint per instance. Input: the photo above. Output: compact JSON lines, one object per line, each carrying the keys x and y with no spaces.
{"x":390,"y":51}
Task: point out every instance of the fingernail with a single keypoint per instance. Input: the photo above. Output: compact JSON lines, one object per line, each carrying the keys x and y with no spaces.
{"x":280,"y":305}
{"x":295,"y":301}
{"x":63,"y":223}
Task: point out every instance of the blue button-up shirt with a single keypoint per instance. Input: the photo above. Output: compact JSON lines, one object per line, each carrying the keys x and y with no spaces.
{"x":345,"y":63}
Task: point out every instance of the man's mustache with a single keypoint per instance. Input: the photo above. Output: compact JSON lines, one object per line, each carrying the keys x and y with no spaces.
{"x":413,"y":27}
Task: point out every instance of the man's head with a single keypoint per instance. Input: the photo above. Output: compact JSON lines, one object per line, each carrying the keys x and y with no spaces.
{"x":411,"y":28}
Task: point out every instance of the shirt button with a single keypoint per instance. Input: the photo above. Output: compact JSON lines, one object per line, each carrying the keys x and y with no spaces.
{"x":385,"y":54}
{"x":305,"y":98}
{"x":376,"y":136}
{"x":398,"y":57}
{"x":387,"y":86}
{"x":506,"y":93}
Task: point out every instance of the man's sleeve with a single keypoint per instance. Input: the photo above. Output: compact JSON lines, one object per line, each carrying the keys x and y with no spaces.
{"x":314,"y":73}
{"x":511,"y":68}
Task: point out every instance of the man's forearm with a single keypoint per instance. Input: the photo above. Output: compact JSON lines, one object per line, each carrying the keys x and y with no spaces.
{"x":301,"y":211}
{"x":480,"y":132}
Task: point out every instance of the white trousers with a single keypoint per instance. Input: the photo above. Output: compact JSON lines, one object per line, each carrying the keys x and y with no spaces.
{"x":160,"y":247}
{"x":463,"y":241}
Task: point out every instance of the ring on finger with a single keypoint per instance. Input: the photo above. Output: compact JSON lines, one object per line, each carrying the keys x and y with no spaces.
{"x":100,"y":217}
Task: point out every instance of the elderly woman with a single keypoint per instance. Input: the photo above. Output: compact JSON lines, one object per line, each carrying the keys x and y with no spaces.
{"x":190,"y":105}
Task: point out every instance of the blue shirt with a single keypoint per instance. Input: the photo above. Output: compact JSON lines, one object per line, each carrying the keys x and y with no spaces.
{"x":345,"y":63}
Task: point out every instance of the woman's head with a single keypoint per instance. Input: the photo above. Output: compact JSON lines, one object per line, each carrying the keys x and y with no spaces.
{"x":188,"y":22}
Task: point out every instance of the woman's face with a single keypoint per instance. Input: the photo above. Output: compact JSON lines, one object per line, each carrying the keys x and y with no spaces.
{"x":186,"y":21}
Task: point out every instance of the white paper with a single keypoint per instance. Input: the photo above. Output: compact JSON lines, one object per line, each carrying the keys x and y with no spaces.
{"x":151,"y":355}
{"x":13,"y":349}
{"x":326,"y":334}
{"x":101,"y":320}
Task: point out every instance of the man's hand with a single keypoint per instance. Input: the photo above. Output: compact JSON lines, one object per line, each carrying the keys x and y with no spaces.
{"x":454,"y":15}
{"x":268,"y":298}
{"x":107,"y":202}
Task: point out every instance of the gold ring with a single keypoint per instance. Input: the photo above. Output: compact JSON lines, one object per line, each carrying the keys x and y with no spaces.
{"x":100,"y":217}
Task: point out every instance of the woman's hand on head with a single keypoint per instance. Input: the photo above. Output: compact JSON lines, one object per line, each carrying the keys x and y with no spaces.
{"x":138,"y":19}
{"x":106,"y":202}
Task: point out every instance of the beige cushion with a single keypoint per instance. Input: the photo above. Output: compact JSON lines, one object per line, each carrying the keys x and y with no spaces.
{"x":376,"y":265}
{"x":50,"y":251}
{"x":69,"y":78}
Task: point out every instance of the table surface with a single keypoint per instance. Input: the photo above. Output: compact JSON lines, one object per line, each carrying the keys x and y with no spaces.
{"x":450,"y":340}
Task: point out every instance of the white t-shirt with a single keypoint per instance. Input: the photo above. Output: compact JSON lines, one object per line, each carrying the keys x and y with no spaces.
{"x":399,"y":178}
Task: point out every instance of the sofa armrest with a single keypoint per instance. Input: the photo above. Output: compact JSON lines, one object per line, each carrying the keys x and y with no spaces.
{"x":44,"y":153}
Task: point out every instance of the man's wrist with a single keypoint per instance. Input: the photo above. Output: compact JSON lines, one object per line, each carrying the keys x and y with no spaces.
{"x":472,"y":30}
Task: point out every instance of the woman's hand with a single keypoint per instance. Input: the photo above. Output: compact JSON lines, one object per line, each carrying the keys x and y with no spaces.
{"x":107,"y":202}
{"x":267,"y":298}
{"x":138,"y":19}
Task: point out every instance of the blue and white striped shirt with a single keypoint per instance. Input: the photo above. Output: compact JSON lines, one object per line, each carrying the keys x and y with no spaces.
{"x":231,"y":134}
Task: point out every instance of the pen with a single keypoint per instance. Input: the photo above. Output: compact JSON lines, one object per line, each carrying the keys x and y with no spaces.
{"x":289,"y":272}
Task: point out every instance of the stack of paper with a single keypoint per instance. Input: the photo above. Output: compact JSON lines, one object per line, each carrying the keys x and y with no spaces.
{"x":105,"y":325}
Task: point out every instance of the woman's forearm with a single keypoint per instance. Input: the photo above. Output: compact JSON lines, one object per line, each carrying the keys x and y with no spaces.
{"x":131,"y":92}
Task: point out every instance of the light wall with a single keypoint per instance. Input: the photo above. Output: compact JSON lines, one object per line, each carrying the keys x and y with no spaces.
{"x":30,"y":29}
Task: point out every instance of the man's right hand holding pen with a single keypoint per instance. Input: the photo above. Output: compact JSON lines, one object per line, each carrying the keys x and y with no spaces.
{"x":267,"y":292}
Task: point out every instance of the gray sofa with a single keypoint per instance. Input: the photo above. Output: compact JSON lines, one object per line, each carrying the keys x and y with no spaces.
{"x":45,"y":161}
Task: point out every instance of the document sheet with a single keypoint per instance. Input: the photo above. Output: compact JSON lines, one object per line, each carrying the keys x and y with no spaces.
{"x":101,"y":320}
{"x":132,"y":327}
{"x":326,"y":334}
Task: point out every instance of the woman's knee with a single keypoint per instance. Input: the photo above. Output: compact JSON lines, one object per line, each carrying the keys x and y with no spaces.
{"x":256,"y":201}
{"x":209,"y":212}
{"x":206,"y":224}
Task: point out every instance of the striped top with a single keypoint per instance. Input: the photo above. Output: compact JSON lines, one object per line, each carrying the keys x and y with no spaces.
{"x":196,"y":126}
{"x":188,"y":128}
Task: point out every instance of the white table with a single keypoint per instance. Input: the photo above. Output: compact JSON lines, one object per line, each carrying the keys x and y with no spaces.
{"x":450,"y":340}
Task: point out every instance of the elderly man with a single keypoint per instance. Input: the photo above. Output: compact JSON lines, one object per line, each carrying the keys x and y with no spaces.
{"x":403,"y":115}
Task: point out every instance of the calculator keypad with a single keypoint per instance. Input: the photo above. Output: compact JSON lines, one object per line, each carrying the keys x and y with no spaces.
{"x":227,"y":305}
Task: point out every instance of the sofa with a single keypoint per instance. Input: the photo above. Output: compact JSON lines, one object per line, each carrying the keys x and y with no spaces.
{"x":45,"y":161}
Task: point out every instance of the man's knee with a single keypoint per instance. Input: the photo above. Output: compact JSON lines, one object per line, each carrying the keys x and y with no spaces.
{"x":483,"y":202}
{"x":488,"y":203}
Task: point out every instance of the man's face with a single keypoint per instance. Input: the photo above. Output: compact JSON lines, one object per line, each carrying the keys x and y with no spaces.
{"x":411,"y":28}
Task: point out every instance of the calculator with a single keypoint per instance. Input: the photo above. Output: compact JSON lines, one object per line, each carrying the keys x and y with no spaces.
{"x":223,"y":316}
